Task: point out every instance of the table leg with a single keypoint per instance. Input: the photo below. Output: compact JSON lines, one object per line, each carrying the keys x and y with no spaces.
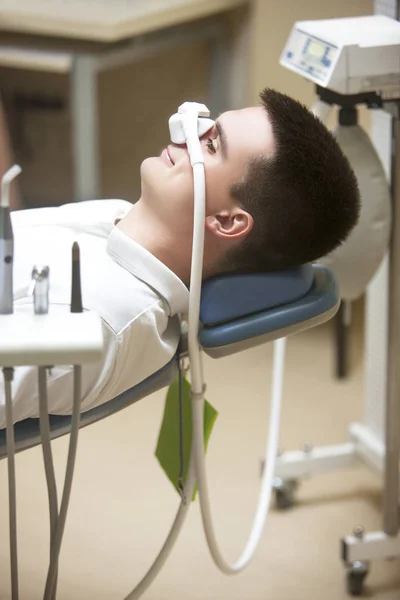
{"x":230,"y":78}
{"x":219,"y":66}
{"x":85,"y":128}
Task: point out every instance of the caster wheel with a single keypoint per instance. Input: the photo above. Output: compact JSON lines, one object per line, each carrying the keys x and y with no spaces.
{"x":285,"y":491}
{"x":355,"y":578}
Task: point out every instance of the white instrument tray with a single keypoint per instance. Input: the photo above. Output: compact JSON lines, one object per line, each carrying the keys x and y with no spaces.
{"x":46,"y":340}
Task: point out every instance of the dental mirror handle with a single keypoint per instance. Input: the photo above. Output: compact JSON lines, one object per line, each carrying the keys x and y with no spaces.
{"x":6,"y":272}
{"x":6,"y":243}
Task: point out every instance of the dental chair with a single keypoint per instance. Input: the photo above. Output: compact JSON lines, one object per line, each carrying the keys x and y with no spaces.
{"x":237,"y":312}
{"x":226,"y":314}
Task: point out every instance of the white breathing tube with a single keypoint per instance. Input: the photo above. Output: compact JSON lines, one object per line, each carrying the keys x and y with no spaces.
{"x":265,"y":494}
{"x":188,"y":125}
{"x":267,"y":478}
{"x":198,"y":387}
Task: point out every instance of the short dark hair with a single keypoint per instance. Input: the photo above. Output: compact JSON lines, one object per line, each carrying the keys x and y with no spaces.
{"x":304,"y":199}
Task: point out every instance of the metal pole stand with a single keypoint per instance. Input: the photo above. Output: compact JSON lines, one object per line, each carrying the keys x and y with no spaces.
{"x":361,"y":548}
{"x":342,"y":322}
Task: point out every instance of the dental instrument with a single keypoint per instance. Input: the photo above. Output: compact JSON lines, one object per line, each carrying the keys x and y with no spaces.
{"x":8,"y":375}
{"x":76,"y":288}
{"x":40,"y":290}
{"x":58,"y":528}
{"x":6,"y":243}
{"x":48,"y":462}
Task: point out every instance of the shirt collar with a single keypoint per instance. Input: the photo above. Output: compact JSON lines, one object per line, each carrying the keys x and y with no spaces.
{"x":146,"y":267}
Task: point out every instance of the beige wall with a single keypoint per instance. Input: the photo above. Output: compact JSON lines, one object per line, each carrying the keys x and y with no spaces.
{"x":135,"y":101}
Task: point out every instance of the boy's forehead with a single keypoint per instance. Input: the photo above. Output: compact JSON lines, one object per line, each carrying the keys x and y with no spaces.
{"x":248,"y":125}
{"x":249,"y":113}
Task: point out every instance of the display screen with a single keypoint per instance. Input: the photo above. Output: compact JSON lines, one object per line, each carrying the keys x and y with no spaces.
{"x":316,"y":49}
{"x":313,"y":56}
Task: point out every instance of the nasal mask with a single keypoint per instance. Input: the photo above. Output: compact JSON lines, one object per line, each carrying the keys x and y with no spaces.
{"x":188,"y":125}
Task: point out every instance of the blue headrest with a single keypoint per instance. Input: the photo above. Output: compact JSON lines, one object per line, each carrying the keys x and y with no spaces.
{"x":229,"y":297}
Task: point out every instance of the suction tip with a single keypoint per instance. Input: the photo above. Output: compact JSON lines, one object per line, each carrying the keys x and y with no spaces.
{"x":5,"y":184}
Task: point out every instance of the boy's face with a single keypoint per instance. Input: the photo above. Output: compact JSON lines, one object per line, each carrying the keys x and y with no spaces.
{"x":167,"y":180}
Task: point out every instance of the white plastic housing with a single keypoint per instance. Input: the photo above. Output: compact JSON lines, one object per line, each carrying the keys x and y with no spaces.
{"x":46,"y":340}
{"x":349,"y":56}
{"x":177,"y":132}
{"x":355,"y":262}
{"x":201,"y":109}
{"x":6,"y":180}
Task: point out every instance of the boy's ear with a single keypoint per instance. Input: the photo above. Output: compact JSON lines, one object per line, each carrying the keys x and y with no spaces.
{"x":230,"y":224}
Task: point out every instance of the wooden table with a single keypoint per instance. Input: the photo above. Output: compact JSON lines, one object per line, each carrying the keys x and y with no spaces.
{"x":83,"y":38}
{"x":103,"y":20}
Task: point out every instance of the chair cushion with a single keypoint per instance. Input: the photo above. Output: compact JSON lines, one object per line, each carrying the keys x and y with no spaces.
{"x":316,"y":304}
{"x":230,"y":297}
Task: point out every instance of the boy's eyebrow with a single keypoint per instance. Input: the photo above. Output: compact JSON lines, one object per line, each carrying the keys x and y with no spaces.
{"x":223,"y":140}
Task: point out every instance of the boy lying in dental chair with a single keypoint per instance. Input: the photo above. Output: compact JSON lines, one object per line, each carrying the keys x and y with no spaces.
{"x":279,"y":193}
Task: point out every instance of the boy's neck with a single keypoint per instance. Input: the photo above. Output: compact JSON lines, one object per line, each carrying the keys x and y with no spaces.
{"x":140,"y":225}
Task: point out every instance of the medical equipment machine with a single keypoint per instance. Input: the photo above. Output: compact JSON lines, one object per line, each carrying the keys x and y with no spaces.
{"x":348,"y":56}
{"x":356,"y":61}
{"x":261,"y":307}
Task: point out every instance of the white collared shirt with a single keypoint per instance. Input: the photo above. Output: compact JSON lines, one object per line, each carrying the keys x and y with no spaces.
{"x":138,"y":298}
